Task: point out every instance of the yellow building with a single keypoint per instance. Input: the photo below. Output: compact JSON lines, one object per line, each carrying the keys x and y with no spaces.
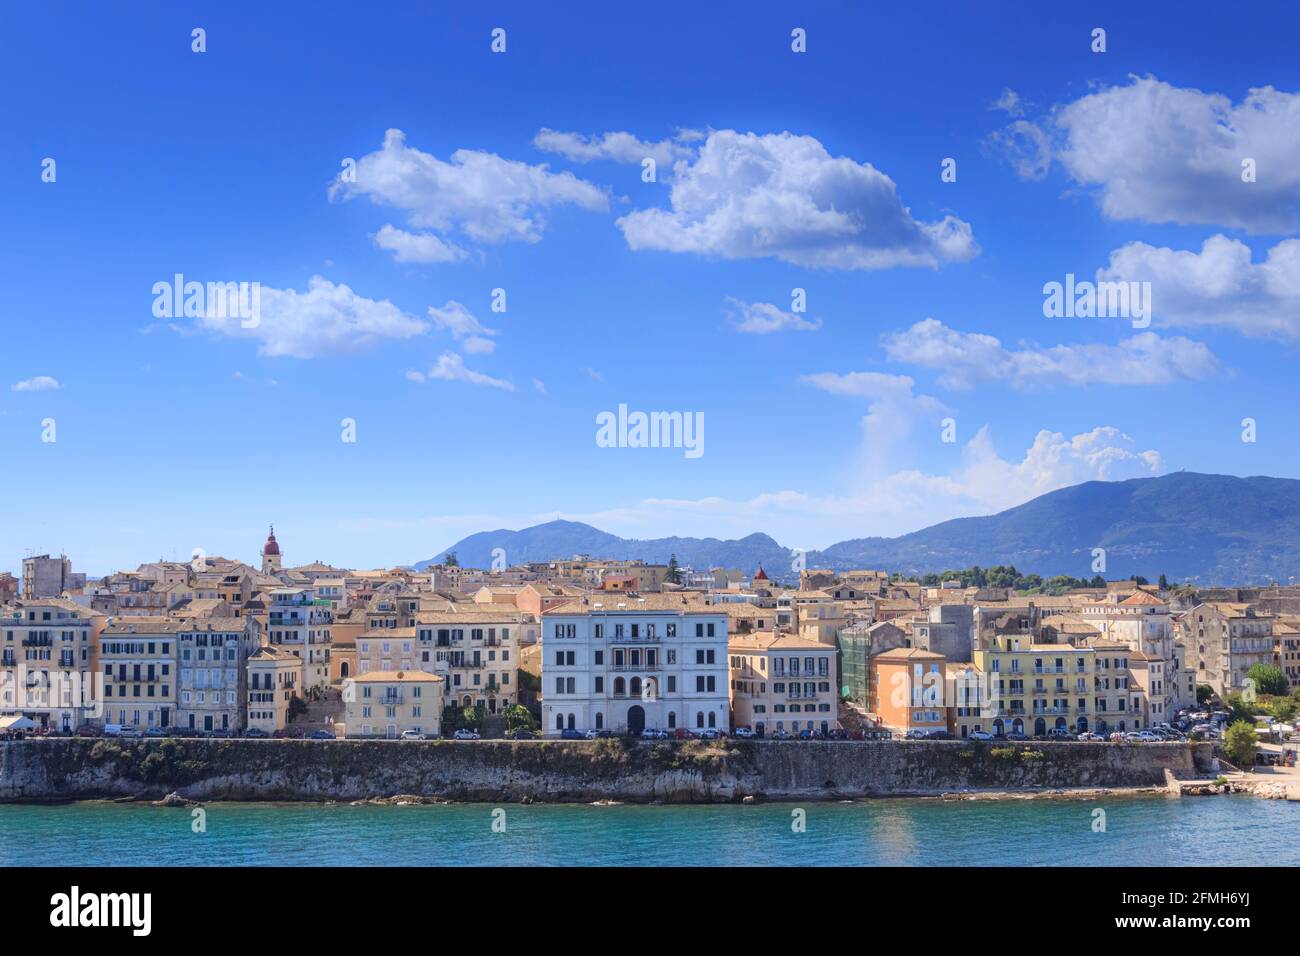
{"x":1034,"y":688}
{"x":781,"y":682}
{"x":389,"y":703}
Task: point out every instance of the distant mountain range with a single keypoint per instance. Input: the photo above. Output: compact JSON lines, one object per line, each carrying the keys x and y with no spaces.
{"x":1208,"y":529}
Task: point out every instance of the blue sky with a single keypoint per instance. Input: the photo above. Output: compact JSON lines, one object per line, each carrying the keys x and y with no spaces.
{"x":779,"y":170}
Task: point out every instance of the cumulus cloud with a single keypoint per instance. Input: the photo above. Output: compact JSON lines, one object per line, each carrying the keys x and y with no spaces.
{"x":450,"y":367}
{"x":762,"y":318}
{"x":326,"y":319}
{"x":480,"y":194}
{"x":1160,"y":153}
{"x":747,"y":196}
{"x":893,"y":406}
{"x":1218,"y":286}
{"x":1009,"y":102}
{"x":615,"y":147}
{"x":464,"y":327}
{"x":970,"y":358}
{"x":38,"y":383}
{"x":416,"y":247}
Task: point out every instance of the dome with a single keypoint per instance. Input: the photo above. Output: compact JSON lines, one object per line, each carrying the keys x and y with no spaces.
{"x":271,"y":547}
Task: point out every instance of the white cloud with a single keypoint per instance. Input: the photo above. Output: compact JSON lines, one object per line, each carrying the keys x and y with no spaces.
{"x":450,"y":367}
{"x":893,"y":407}
{"x":38,"y":383}
{"x":327,"y":319}
{"x":1009,"y":102}
{"x":416,"y":247}
{"x":761,"y":318}
{"x":1027,"y":147}
{"x":464,"y":327}
{"x":969,"y":358}
{"x":1218,"y":286}
{"x":539,"y":385}
{"x":615,"y":147}
{"x":486,"y":197}
{"x":747,"y":196}
{"x":1161,"y":153}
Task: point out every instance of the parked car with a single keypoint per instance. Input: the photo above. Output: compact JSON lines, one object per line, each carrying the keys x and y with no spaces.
{"x":255,"y":732}
{"x":523,"y":733}
{"x":980,"y":735}
{"x":1016,"y":735}
{"x":466,"y":734}
{"x":1059,"y":733}
{"x":744,"y":733}
{"x":321,"y":735}
{"x":1089,"y":735}
{"x":567,"y":734}
{"x":89,"y":730}
{"x":413,"y":735}
{"x":156,"y":732}
{"x":713,"y":734}
{"x":681,"y":733}
{"x":132,"y":732}
{"x":781,"y":735}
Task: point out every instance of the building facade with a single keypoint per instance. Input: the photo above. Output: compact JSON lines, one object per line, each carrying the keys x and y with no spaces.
{"x":782,"y":683}
{"x":627,"y":666}
{"x":388,"y":703}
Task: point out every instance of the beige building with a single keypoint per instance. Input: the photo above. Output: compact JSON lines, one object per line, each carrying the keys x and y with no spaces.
{"x":137,"y":661}
{"x":48,"y":654}
{"x":1224,"y":641}
{"x":274,"y":676}
{"x":781,"y":682}
{"x":388,"y":703}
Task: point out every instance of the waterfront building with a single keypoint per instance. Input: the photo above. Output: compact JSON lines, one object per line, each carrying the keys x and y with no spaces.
{"x":907,"y":690}
{"x":627,"y":663}
{"x":388,"y":703}
{"x":274,"y":677}
{"x":782,"y":682}
{"x":211,"y":672}
{"x":48,"y":654}
{"x":1038,"y":686}
{"x":137,"y":661}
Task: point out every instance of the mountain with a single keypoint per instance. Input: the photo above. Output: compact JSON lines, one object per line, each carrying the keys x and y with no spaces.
{"x":563,"y":539}
{"x":1209,"y":529}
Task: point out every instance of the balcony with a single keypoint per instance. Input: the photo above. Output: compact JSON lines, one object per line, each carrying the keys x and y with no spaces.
{"x":38,"y":641}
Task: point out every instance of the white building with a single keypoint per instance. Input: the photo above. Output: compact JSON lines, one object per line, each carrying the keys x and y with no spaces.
{"x":299,"y":622}
{"x":627,"y":663}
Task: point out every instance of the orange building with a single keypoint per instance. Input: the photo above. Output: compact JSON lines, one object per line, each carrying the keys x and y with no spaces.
{"x":907,"y":690}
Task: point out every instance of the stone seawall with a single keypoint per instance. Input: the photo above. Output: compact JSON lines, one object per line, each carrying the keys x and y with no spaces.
{"x":56,"y":769}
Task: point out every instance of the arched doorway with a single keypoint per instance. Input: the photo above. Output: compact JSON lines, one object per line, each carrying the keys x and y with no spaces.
{"x":997,"y":728}
{"x":1060,"y":723}
{"x":1017,"y":726}
{"x":635,"y":719}
{"x":1083,"y":725}
{"x":343,"y":669}
{"x":1040,"y":727}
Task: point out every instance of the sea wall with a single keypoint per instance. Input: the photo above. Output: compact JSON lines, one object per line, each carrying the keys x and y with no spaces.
{"x":55,"y":769}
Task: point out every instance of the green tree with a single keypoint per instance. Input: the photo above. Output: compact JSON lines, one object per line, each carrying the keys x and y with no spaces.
{"x":1283,"y":708}
{"x":518,"y":718}
{"x":1268,"y":679}
{"x":1241,"y":742}
{"x":451,"y":560}
{"x":1240,"y":708}
{"x":1204,"y":693}
{"x":1163,"y":583}
{"x":471,"y":718}
{"x":674,"y":573}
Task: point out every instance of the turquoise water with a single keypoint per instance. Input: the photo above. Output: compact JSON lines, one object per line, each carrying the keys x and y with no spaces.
{"x":1200,"y":831}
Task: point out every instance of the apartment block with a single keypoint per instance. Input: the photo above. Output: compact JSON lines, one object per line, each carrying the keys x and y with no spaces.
{"x":299,"y":622}
{"x":137,"y":662}
{"x":625,"y":665}
{"x":782,"y":682}
{"x":387,"y":703}
{"x":211,"y":673}
{"x":48,"y":654}
{"x":274,"y":677}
